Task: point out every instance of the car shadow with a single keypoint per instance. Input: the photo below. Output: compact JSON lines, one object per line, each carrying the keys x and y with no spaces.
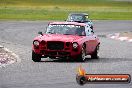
{"x":89,"y":60}
{"x":64,"y":60}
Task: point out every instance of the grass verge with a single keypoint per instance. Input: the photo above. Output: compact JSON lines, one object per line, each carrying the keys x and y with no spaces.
{"x":59,"y":9}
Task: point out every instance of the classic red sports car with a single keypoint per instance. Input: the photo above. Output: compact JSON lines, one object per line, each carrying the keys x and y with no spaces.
{"x":71,"y":40}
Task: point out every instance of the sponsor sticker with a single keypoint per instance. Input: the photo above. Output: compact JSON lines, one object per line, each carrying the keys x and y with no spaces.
{"x":82,"y":78}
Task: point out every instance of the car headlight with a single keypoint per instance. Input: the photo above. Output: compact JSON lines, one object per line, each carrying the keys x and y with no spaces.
{"x":75,"y":45}
{"x":36,"y":43}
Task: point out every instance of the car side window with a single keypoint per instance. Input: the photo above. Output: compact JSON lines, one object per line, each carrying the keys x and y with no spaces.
{"x":89,"y":31}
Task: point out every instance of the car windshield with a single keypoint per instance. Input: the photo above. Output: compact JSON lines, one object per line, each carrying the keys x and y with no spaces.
{"x":77,"y":18}
{"x":65,"y":29}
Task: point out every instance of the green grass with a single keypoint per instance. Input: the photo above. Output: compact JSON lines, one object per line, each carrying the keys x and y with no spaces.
{"x":59,"y":9}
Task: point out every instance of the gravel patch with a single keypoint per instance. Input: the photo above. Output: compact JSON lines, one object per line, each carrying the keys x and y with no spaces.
{"x":6,"y":57}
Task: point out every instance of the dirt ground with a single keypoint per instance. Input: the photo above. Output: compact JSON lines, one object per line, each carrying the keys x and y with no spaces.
{"x":126,"y":34}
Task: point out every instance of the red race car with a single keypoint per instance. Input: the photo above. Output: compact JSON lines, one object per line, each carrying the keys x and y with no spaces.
{"x":68,"y":40}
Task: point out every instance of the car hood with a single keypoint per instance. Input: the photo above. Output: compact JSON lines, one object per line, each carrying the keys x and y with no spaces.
{"x":59,"y":37}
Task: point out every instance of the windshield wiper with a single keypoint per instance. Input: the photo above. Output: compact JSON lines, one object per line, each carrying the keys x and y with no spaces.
{"x":67,"y":34}
{"x":50,"y":33}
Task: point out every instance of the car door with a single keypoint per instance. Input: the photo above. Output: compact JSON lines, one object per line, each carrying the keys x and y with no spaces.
{"x":91,"y":40}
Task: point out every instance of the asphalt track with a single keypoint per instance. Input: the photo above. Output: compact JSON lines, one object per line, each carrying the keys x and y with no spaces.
{"x":115,"y":58}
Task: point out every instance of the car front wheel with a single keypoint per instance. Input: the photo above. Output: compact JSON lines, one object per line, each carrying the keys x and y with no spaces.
{"x":82,"y":57}
{"x":95,"y":54}
{"x":36,"y":57}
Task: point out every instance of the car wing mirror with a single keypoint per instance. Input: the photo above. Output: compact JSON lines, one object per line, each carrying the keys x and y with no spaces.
{"x":40,"y":33}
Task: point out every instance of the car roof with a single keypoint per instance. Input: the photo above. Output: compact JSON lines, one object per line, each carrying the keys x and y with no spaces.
{"x":82,"y":14}
{"x":70,"y":23}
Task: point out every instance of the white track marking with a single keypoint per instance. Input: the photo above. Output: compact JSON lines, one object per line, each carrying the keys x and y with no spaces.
{"x":116,"y":37}
{"x":123,"y":38}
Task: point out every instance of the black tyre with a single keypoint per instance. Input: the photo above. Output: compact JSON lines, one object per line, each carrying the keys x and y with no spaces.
{"x":91,"y":27}
{"x":36,"y":57}
{"x":82,"y":55}
{"x":95,"y":54}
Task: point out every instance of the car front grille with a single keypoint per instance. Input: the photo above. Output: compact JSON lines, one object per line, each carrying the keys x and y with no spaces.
{"x":55,"y":45}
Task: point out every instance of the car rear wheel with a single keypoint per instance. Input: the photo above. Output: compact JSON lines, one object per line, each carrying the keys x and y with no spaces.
{"x":36,"y":57}
{"x":95,"y":55}
{"x":82,"y":57}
